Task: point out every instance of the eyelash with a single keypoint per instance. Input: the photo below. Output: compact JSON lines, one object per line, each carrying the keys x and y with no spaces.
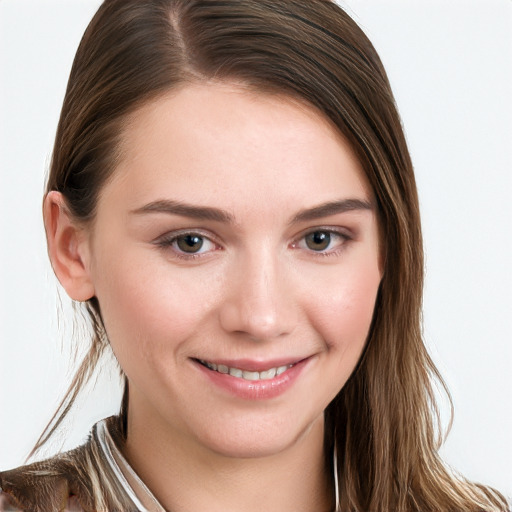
{"x":167,"y":241}
{"x":341,"y":234}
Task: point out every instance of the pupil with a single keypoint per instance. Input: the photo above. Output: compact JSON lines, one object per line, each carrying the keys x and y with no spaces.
{"x":318,"y":241}
{"x":190,"y":243}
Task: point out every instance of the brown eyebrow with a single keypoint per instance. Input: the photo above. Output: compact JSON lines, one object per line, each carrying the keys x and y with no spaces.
{"x":186,"y":210}
{"x":332,"y":208}
{"x":216,"y":214}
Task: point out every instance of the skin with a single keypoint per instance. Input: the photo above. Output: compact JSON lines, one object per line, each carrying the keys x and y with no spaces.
{"x":256,"y":290}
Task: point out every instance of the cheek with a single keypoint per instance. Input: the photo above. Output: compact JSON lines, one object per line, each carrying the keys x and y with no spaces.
{"x":147,"y":309}
{"x":343,"y":314}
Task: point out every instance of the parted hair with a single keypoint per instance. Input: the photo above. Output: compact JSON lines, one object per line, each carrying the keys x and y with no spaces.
{"x":385,"y":421}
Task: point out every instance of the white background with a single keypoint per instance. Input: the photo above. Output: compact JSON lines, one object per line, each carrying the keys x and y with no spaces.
{"x":450,"y":65}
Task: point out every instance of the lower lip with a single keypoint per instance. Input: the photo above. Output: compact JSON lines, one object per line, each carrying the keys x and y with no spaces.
{"x":255,"y":389}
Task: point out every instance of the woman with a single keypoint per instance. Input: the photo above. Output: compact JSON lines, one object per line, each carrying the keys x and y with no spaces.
{"x":232,"y":198}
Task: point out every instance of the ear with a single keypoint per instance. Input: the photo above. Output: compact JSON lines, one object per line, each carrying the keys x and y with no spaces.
{"x":68,"y":248}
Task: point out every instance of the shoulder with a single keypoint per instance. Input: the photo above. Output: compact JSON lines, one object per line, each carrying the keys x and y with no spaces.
{"x":80,"y":480}
{"x":53,"y":484}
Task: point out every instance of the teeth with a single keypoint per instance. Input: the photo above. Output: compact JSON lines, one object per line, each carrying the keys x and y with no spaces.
{"x":268,"y":374}
{"x":246,"y":374}
{"x":235,"y":372}
{"x":251,"y":375}
{"x":281,"y":369}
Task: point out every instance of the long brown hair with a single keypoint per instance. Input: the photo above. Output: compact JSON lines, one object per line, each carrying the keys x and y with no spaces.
{"x":384,"y":421}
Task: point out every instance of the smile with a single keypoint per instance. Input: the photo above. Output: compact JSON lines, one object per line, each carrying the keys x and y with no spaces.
{"x":247,"y":374}
{"x":254,"y":379}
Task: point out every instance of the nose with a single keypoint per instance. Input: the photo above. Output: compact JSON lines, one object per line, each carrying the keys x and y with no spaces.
{"x":259,"y":300}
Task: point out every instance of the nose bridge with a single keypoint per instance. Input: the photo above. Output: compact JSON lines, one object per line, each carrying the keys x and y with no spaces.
{"x":257,"y":303}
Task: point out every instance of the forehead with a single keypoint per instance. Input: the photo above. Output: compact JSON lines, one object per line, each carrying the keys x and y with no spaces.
{"x":221,"y":141}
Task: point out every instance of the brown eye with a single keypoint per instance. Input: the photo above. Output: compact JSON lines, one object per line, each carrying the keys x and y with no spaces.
{"x":318,"y":240}
{"x":189,"y":243}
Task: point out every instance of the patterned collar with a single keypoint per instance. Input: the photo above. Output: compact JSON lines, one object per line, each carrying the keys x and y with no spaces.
{"x":134,"y":487}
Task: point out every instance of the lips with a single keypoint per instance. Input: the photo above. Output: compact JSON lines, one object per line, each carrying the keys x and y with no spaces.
{"x":251,"y":375}
{"x":253,"y":380}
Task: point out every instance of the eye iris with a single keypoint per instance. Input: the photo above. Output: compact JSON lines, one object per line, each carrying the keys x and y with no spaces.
{"x":189,"y":243}
{"x":318,"y":240}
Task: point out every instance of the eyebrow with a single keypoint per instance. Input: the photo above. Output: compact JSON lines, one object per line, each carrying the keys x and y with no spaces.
{"x":172,"y":207}
{"x":186,"y":210}
{"x":332,"y":208}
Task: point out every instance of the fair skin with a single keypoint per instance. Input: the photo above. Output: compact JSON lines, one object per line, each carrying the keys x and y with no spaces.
{"x":238,"y":234}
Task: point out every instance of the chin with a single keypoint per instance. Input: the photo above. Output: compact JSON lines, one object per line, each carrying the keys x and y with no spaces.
{"x":250,"y":439}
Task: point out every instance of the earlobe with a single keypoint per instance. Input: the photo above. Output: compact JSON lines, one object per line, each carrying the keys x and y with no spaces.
{"x":67,"y":247}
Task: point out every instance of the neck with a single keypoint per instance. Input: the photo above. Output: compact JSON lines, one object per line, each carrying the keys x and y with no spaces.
{"x":185,"y":476}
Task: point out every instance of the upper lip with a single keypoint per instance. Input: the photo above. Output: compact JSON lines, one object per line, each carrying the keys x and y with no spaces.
{"x":254,"y":365}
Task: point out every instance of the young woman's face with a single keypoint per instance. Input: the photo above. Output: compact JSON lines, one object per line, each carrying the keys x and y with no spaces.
{"x":235,"y":257}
